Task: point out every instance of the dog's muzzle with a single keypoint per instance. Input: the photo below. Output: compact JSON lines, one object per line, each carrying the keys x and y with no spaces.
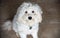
{"x":30,"y":18}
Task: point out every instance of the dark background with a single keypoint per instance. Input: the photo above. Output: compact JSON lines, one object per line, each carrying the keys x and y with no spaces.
{"x":50,"y":26}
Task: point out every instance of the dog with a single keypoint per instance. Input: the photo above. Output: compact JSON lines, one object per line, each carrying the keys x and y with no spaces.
{"x":27,"y":19}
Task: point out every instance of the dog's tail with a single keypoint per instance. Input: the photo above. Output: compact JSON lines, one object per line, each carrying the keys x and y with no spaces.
{"x":7,"y":25}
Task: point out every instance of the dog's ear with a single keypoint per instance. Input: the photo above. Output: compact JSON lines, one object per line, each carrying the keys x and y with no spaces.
{"x":39,"y":8}
{"x":40,"y":19}
{"x":41,"y":12}
{"x":24,"y":5}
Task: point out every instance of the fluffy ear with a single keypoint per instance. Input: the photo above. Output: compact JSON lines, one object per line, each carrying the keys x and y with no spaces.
{"x":24,"y":5}
{"x":39,"y":8}
{"x":19,"y":10}
{"x":41,"y":12}
{"x":40,"y":19}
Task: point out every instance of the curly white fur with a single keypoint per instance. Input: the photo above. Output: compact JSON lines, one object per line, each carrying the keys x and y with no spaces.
{"x":21,"y":23}
{"x":26,"y":21}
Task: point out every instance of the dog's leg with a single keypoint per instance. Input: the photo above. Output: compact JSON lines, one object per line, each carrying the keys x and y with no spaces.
{"x":17,"y":35}
{"x":35,"y":35}
{"x":22,"y":35}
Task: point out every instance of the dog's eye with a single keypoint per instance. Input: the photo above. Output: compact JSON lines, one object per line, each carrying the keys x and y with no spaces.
{"x":25,"y":11}
{"x":32,"y":11}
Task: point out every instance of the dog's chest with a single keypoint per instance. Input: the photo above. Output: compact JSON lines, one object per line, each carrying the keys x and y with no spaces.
{"x":27,"y":29}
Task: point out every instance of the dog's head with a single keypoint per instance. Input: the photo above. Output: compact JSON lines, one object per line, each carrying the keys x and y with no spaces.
{"x":29,"y":13}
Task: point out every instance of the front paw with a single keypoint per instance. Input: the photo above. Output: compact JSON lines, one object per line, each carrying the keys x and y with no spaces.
{"x":22,"y":35}
{"x":35,"y":35}
{"x":17,"y":34}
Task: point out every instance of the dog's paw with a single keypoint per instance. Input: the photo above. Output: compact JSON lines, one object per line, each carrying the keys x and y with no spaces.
{"x":17,"y":34}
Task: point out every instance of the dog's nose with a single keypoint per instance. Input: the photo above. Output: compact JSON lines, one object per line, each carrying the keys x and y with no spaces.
{"x":30,"y":18}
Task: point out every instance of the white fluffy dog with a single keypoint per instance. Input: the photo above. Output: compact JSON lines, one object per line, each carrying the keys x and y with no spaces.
{"x":26,"y":21}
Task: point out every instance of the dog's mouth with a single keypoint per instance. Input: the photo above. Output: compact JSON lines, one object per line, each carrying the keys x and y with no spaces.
{"x":30,"y":18}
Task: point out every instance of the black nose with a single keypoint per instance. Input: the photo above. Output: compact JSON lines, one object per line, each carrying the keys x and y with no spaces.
{"x":30,"y":18}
